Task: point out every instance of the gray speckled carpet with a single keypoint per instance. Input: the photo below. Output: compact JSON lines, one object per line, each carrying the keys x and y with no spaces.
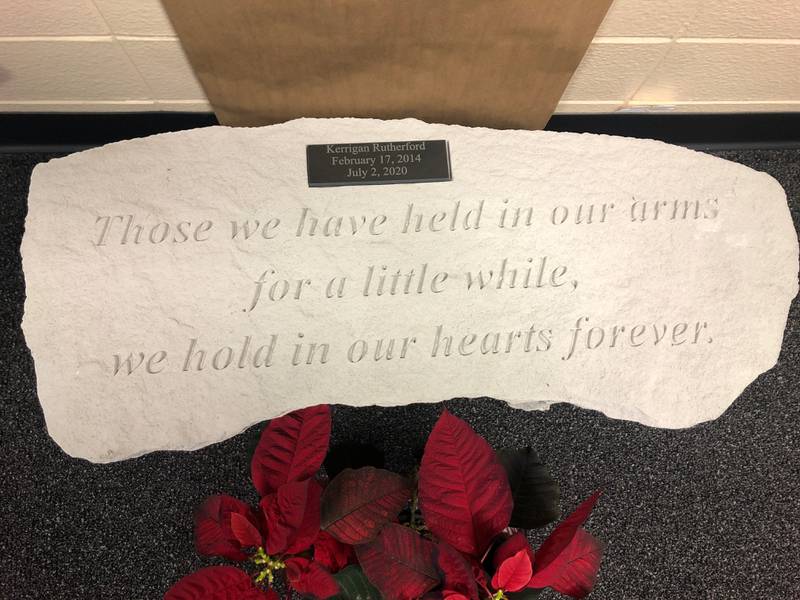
{"x":705,"y":513}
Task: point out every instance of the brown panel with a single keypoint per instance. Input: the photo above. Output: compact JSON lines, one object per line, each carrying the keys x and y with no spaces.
{"x":495,"y":63}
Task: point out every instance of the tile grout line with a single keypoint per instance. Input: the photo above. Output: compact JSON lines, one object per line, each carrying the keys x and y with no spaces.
{"x":598,"y":41}
{"x":740,"y":41}
{"x":73,"y":102}
{"x":640,"y":40}
{"x":566,"y":103}
{"x":11,"y":39}
{"x":639,"y":103}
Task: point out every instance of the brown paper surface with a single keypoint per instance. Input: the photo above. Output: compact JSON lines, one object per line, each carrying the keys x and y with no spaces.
{"x":494,"y":63}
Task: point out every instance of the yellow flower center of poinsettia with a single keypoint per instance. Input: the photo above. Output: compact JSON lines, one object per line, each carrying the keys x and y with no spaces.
{"x":499,"y":595}
{"x":269,"y":566}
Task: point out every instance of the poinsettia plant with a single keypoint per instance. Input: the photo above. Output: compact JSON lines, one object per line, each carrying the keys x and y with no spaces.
{"x":452,"y":530}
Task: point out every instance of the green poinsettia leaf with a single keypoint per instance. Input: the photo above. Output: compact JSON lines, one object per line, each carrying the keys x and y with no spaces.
{"x":353,"y":455}
{"x":536,"y":494}
{"x":354,"y":585}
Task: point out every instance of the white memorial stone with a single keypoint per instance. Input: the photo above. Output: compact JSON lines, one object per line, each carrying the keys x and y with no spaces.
{"x":184,"y":286}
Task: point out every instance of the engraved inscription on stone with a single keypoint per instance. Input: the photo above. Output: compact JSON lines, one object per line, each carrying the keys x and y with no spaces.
{"x":182,"y":287}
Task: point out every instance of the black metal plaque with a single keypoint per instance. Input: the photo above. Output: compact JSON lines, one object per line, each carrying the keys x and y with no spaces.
{"x":378,"y":163}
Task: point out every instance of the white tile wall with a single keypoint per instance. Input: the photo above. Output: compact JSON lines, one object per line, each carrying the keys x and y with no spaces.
{"x":136,"y":17}
{"x":50,"y":17}
{"x":52,"y":70}
{"x":614,"y":71}
{"x":164,"y":67}
{"x":699,"y":70}
{"x":647,"y":18}
{"x":576,"y":106}
{"x":649,"y":55}
{"x":746,"y":19}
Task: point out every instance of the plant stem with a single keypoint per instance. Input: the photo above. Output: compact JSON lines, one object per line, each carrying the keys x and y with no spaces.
{"x":414,"y":506}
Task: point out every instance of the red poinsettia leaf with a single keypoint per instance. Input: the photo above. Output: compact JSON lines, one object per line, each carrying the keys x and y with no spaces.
{"x":458,"y":579}
{"x":574,"y":571}
{"x":277,"y":532}
{"x":455,"y":596}
{"x":244,"y":531}
{"x":292,"y":516}
{"x":218,"y":583}
{"x":331,"y":553}
{"x":400,"y":563}
{"x":213,"y":533}
{"x":510,"y":547}
{"x":307,"y":532}
{"x":291,"y":448}
{"x":514,"y":572}
{"x":358,"y":502}
{"x":309,"y":577}
{"x":562,"y":535}
{"x":463,"y":489}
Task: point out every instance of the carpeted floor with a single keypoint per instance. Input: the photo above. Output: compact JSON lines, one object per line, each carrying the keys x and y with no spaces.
{"x":711,"y":512}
